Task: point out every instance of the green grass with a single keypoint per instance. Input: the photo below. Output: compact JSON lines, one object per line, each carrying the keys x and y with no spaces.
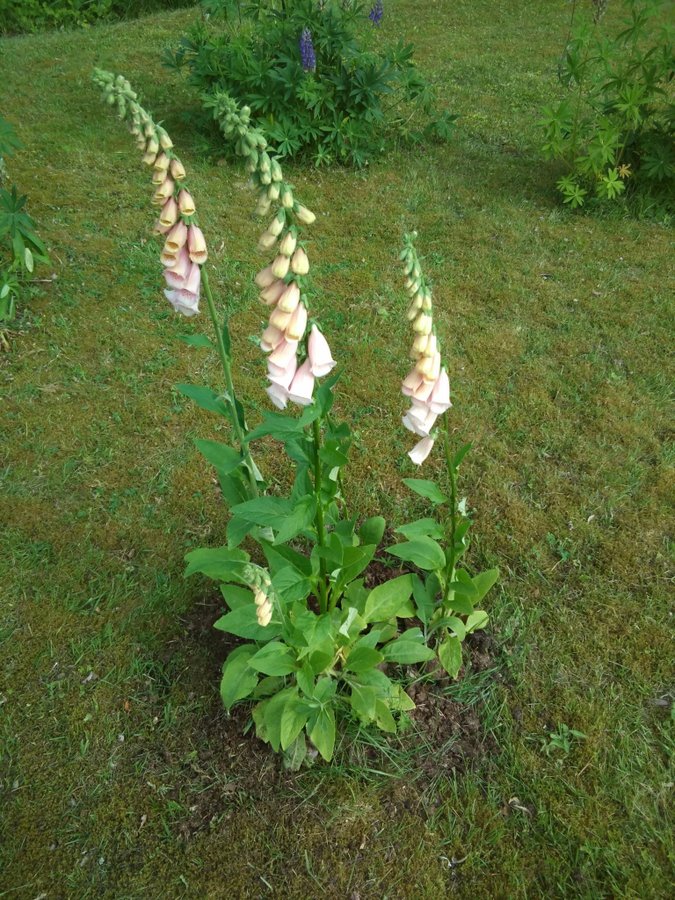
{"x":128,"y":782}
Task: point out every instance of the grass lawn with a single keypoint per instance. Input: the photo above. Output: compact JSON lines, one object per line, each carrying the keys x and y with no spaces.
{"x":121,"y":776}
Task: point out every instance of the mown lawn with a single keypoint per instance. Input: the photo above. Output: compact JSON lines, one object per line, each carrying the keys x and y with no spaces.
{"x":121,"y":776}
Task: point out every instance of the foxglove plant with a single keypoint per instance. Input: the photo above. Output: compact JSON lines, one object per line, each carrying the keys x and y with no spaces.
{"x":446,"y":595}
{"x":183,"y":257}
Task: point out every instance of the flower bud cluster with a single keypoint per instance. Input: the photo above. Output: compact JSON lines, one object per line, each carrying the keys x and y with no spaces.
{"x":282,"y":283}
{"x":427,"y":384}
{"x":184,"y":250}
{"x":263,"y":594}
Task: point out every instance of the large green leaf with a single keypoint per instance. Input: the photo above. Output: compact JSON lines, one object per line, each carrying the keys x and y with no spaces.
{"x":301,"y":517}
{"x":450,"y":655}
{"x":274,"y":658}
{"x":421,"y":528}
{"x":322,"y":734}
{"x":407,"y":649}
{"x":293,"y":719}
{"x":483,"y":582}
{"x":205,"y":398}
{"x":371,"y":530}
{"x":386,"y":599}
{"x":238,"y":679}
{"x":269,"y":512}
{"x":476,"y":621}
{"x":235,"y":595}
{"x":363,"y":658}
{"x":224,"y":458}
{"x":220,"y":563}
{"x":423,"y":552}
{"x":243,"y":622}
{"x":426,"y":488}
{"x":363,"y":701}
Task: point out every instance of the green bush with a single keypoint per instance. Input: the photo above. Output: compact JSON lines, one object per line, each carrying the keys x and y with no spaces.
{"x":312,"y":76}
{"x":615,"y":130}
{"x":20,"y":16}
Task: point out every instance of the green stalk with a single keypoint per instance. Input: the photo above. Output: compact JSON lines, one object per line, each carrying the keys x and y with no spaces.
{"x":320,"y":523}
{"x":452,"y":476}
{"x":227,"y":371}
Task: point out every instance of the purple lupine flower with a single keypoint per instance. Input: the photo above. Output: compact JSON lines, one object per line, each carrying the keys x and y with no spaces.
{"x":376,"y":12}
{"x":307,"y":53}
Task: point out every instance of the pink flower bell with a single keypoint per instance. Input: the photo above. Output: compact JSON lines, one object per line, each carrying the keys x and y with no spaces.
{"x":439,"y":401}
{"x":197,"y":245}
{"x":320,"y":358}
{"x":421,"y":450}
{"x":183,"y":302}
{"x":302,"y":386}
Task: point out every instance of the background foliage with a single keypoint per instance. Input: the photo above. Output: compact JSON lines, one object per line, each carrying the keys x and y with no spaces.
{"x":19,"y":16}
{"x":616,"y":128}
{"x":337,"y":112}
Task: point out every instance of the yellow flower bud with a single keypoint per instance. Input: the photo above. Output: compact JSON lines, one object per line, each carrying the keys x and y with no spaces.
{"x":304,"y":215}
{"x":290,"y":298}
{"x":299,"y":262}
{"x":280,"y":266}
{"x":287,"y":245}
{"x":287,"y":198}
{"x":162,"y":162}
{"x":422,"y":324}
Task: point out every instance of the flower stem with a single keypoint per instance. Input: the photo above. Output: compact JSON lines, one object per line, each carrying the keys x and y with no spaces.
{"x":231,"y":396}
{"x":452,"y":477}
{"x":320,"y":524}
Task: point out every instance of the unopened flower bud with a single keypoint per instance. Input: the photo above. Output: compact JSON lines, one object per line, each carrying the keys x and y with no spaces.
{"x":287,"y":245}
{"x":149,"y":159}
{"x":164,"y":140}
{"x":288,"y":301}
{"x":273,"y":192}
{"x":272,"y":292}
{"x":265,"y":277}
{"x":271,"y":338}
{"x":295,"y":329}
{"x":280,"y":266}
{"x":280,"y":319}
{"x":304,"y":215}
{"x":299,"y":262}
{"x":423,"y":324}
{"x":276,"y":226}
{"x":287,"y":198}
{"x":266,"y":241}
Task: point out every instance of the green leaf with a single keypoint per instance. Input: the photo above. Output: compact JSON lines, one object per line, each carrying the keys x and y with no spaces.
{"x":476,"y":621}
{"x":426,"y":488}
{"x":452,"y":622}
{"x":424,"y":601}
{"x":235,"y":595}
{"x":483,"y":582}
{"x":274,"y":658}
{"x":450,"y":655}
{"x":407,"y":649}
{"x":372,"y":529}
{"x":291,"y":585}
{"x":268,"y":718}
{"x":386,"y":599}
{"x":421,"y":528}
{"x":459,"y":456}
{"x":354,"y":561}
{"x":301,"y":517}
{"x":363,"y":701}
{"x":220,"y":563}
{"x":196,"y":340}
{"x":293,"y":719}
{"x":224,"y":458}
{"x":423,"y":552}
{"x":277,"y":425}
{"x":237,"y":529}
{"x":384,"y":718}
{"x":269,"y":512}
{"x":322,"y":734}
{"x":205,"y":398}
{"x":305,"y":679}
{"x":363,"y":658}
{"x":243,"y":622}
{"x":238,"y":679}
{"x":296,"y":754}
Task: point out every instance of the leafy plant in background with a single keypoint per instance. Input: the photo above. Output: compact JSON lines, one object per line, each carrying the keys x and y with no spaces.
{"x":21,"y":246}
{"x":615,"y":131}
{"x":311,"y":77}
{"x":317,"y":640}
{"x":445,"y":595}
{"x":19,"y":16}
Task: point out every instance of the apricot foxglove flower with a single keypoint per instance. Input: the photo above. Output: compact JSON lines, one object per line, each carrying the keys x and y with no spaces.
{"x":320,"y":357}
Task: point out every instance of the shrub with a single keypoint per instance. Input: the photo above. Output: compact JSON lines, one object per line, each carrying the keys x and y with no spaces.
{"x":616,"y":129}
{"x":312,"y":77}
{"x":20,"y":16}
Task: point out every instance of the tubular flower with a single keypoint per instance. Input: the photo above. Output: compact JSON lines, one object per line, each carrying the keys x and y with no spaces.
{"x":185,"y":248}
{"x":282,"y":283}
{"x":427,"y":384}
